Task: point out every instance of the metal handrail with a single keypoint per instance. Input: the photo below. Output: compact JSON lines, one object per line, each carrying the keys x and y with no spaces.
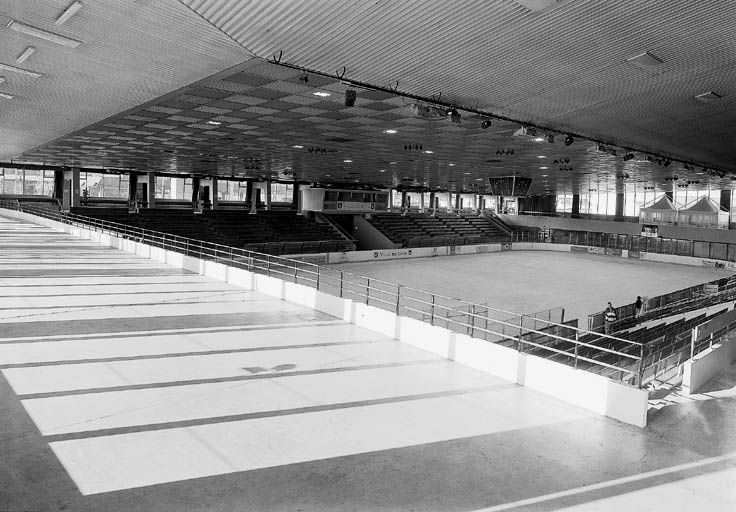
{"x":391,"y":296}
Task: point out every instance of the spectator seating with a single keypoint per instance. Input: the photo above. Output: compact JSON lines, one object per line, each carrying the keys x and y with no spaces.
{"x":425,"y":230}
{"x":273,"y":232}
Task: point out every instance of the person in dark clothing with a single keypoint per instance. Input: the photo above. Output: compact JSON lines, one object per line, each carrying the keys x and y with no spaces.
{"x":638,"y":305}
{"x":609,"y":318}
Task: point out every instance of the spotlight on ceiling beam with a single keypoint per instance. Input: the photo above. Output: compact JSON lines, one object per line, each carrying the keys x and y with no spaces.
{"x":628,"y":156}
{"x":550,"y":138}
{"x":531,"y":131}
{"x":667,"y":163}
{"x":350,"y":96}
{"x":569,"y":140}
{"x":304,"y":78}
{"x":486,"y":124}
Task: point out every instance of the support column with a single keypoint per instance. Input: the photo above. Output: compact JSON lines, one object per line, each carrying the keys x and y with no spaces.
{"x":619,"y":207}
{"x":195,"y":193}
{"x":458,"y":202}
{"x":575,"y":206}
{"x":72,"y":177}
{"x":59,"y":185}
{"x":132,"y":186}
{"x":213,"y":192}
{"x":268,"y":195}
{"x":404,"y":197}
{"x":421,"y":202}
{"x":151,"y":190}
{"x":248,"y":194}
{"x":725,"y":201}
{"x":295,"y":197}
{"x":433,"y":203}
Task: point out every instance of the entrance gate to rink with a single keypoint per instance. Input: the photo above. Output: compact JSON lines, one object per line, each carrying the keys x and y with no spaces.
{"x":544,"y":334}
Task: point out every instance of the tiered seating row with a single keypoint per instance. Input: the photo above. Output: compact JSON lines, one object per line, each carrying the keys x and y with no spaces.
{"x":424,"y":230}
{"x":273,"y":232}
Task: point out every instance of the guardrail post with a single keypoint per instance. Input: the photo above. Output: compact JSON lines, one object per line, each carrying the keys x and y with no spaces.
{"x":431,"y":312}
{"x":342,"y":280}
{"x":367,"y":290}
{"x":521,"y":329}
{"x":316,"y":285}
{"x":296,"y":272}
{"x":472,"y":319}
{"x":641,"y":366}
{"x":577,"y":340}
{"x":398,"y":298}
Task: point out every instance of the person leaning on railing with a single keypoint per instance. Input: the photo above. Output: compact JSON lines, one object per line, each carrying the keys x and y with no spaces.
{"x":609,"y":318}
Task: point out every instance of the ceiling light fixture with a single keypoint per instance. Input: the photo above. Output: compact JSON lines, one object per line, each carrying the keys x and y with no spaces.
{"x":541,"y":156}
{"x":486,"y":124}
{"x":628,"y":156}
{"x":569,"y":140}
{"x":304,"y":78}
{"x":25,"y":55}
{"x":297,"y":146}
{"x":214,"y":123}
{"x":538,"y":139}
{"x":8,"y":67}
{"x":350,"y":96}
{"x":6,"y":96}
{"x":42,"y":34}
{"x":544,"y":168}
{"x":708,"y":97}
{"x":454,"y":115}
{"x":645,"y":60}
{"x":347,"y":161}
{"x":429,"y":152}
{"x":321,"y":94}
{"x":550,"y":138}
{"x":390,"y":131}
{"x":68,"y":13}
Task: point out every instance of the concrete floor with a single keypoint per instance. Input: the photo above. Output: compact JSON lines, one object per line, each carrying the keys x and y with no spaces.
{"x":531,"y":281}
{"x":129,"y":385}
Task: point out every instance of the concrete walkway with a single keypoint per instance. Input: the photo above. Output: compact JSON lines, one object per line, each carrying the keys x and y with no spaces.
{"x":128,"y":385}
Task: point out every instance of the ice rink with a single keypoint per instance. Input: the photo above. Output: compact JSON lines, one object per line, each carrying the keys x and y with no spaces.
{"x":530,"y":281}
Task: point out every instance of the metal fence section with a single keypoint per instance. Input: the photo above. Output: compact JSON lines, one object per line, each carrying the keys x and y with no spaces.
{"x":633,"y":243}
{"x":540,"y":333}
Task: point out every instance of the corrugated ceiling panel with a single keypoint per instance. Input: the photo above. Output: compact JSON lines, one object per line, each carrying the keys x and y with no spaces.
{"x":498,"y":55}
{"x":131,"y":52}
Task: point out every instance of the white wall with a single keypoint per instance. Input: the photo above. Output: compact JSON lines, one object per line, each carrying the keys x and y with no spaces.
{"x":707,"y":365}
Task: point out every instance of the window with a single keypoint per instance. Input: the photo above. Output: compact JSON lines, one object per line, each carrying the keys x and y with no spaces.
{"x":282,"y":192}
{"x":114,"y":186}
{"x":168,"y":187}
{"x":27,"y":182}
{"x":229,"y":190}
{"x":564,"y":203}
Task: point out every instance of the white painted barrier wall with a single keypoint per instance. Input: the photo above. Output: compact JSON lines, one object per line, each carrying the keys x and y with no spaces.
{"x":707,"y":365}
{"x":587,"y":390}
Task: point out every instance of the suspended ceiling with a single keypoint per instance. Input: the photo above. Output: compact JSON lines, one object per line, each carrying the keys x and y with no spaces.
{"x":186,"y":87}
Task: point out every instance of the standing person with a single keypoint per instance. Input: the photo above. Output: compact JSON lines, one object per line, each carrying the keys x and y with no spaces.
{"x":638,"y":305}
{"x":610,"y":318}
